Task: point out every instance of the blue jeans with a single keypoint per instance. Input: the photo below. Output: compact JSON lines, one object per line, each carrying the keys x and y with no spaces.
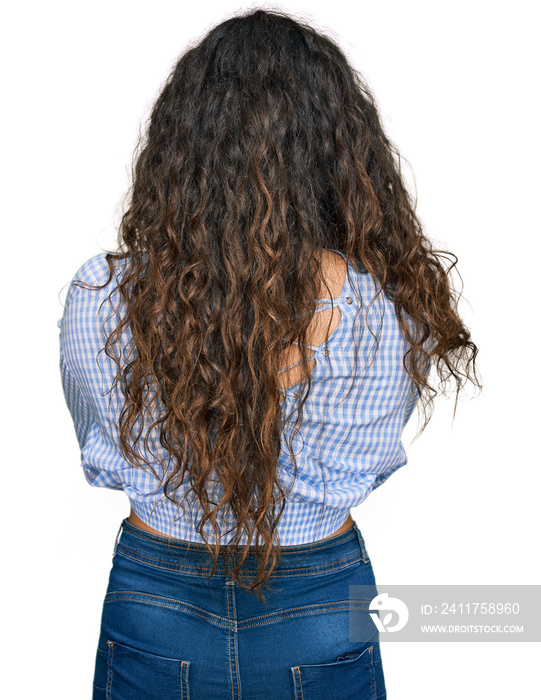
{"x":169,"y":631}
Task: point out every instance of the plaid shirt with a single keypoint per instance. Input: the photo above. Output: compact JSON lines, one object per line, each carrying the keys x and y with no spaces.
{"x":348,"y":445}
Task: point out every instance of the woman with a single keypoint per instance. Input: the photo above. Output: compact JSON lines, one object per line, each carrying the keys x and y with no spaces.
{"x":243,"y":366}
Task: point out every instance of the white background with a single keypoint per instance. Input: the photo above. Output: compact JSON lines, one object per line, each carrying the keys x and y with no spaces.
{"x":457,"y":87}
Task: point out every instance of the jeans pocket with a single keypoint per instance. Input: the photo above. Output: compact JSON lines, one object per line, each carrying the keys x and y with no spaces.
{"x":350,"y":676}
{"x":129,"y":673}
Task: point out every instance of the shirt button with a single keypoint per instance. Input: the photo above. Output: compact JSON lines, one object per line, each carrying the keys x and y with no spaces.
{"x":326,"y":352}
{"x":349,"y":300}
{"x":295,"y":395}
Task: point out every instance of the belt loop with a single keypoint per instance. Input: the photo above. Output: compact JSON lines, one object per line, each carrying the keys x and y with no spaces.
{"x":117,"y":538}
{"x":364,"y":553}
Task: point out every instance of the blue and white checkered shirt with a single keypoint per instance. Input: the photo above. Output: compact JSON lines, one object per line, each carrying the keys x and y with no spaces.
{"x":350,"y":437}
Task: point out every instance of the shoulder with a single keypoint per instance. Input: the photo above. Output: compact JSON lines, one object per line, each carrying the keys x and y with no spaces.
{"x":81,"y":324}
{"x":339,"y":271}
{"x":94,"y":272}
{"x":333,"y":272}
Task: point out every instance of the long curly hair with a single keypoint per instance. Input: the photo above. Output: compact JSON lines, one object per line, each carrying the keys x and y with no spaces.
{"x":263,"y":148}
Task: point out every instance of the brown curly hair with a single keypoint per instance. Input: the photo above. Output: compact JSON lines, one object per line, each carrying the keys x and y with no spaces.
{"x":264,"y":148}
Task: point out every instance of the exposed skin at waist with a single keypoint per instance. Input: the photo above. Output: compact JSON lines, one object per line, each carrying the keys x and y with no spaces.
{"x":136,"y":520}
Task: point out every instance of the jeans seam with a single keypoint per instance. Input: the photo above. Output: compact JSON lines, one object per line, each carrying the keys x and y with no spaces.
{"x":233,"y":639}
{"x":372,"y":674}
{"x":184,"y":667}
{"x":296,"y":671}
{"x":117,"y":539}
{"x":188,"y":569}
{"x":109,"y":670}
{"x":364,"y":553}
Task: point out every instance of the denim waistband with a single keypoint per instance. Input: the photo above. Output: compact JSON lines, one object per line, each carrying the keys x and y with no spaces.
{"x":194,"y":558}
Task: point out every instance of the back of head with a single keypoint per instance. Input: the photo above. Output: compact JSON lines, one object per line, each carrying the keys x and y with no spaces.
{"x":260,"y":139}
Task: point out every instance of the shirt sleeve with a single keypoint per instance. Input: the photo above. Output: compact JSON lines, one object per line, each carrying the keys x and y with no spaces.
{"x":411,"y":402}
{"x":413,"y":394}
{"x":82,"y":391}
{"x":80,"y":411}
